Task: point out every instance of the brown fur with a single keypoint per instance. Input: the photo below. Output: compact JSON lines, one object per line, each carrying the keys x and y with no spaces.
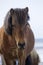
{"x":34,"y":57}
{"x":10,"y":37}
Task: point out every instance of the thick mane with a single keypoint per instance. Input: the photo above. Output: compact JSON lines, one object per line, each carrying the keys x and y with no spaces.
{"x":16,"y":37}
{"x":22,"y":16}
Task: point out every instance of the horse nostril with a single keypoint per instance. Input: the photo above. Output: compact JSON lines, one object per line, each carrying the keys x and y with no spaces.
{"x":21,"y":45}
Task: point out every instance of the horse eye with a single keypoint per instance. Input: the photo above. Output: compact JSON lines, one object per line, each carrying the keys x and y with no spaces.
{"x":28,"y":17}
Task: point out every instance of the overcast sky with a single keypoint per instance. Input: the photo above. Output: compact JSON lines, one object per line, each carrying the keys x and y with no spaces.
{"x":35,"y":11}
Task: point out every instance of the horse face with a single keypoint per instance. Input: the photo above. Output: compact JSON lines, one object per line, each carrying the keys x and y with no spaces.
{"x":15,"y":21}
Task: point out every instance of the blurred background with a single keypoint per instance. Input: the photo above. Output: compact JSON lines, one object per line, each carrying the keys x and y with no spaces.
{"x":36,"y":18}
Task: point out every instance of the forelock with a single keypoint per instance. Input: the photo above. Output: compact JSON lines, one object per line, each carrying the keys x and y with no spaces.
{"x":20,"y":15}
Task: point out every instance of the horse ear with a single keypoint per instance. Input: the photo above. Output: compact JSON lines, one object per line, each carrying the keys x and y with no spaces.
{"x":26,"y":9}
{"x":11,"y":11}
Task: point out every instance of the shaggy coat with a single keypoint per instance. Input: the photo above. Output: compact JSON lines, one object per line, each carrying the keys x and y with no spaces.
{"x":16,"y":37}
{"x":33,"y":58}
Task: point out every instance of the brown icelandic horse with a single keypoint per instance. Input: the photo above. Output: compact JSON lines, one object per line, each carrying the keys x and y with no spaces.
{"x":16,"y":37}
